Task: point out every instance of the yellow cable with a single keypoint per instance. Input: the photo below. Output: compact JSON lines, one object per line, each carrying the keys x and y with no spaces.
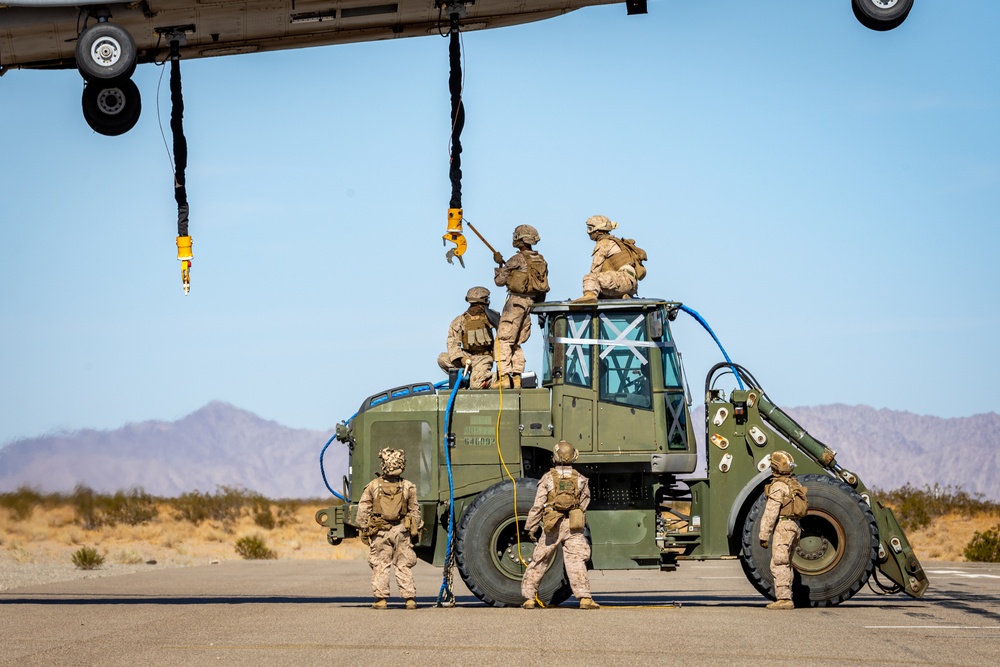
{"x":517,"y":525}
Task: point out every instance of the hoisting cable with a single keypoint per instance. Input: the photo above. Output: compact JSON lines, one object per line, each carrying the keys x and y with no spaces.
{"x":447,"y":594}
{"x":454,"y":234}
{"x":184,"y":252}
{"x":693,"y":313}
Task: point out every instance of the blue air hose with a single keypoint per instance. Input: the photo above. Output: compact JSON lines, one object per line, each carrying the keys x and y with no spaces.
{"x":701,"y":320}
{"x":445,"y":588}
{"x":323,"y":471}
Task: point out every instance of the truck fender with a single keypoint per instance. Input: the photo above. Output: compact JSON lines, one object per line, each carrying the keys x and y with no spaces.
{"x":741,"y":499}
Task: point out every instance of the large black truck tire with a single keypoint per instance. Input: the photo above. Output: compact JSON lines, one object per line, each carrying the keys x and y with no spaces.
{"x":487,"y":553}
{"x":836,"y":552}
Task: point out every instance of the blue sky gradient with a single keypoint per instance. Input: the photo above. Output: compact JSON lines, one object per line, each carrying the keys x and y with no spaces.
{"x":824,"y":195}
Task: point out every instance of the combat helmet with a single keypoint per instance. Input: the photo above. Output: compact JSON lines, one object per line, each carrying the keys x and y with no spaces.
{"x":564,"y":453}
{"x":526,"y":234}
{"x":782,"y":463}
{"x":600,"y":223}
{"x":393,"y":461}
{"x":478,"y":295}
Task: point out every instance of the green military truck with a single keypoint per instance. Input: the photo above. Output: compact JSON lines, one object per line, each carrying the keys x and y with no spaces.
{"x":612,"y":384}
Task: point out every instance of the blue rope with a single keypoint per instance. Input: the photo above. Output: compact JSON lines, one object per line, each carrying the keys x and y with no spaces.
{"x":701,"y":320}
{"x":446,"y":593}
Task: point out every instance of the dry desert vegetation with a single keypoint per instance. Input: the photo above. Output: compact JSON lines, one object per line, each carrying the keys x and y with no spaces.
{"x":133,"y":528}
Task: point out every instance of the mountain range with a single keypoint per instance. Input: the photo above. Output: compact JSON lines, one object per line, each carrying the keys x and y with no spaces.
{"x":222,"y":445}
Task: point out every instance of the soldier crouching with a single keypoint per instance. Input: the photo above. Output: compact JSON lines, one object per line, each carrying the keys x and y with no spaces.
{"x":559,"y":511}
{"x":389,"y":519}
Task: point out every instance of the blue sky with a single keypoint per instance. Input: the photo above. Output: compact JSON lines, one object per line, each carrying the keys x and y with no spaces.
{"x":825,"y":196}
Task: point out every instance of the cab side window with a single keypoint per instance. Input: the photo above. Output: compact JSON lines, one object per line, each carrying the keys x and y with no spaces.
{"x":624,"y":361}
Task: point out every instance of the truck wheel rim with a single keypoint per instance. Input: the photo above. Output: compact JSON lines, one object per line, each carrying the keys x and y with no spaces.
{"x":504,"y":551}
{"x":819,"y":548}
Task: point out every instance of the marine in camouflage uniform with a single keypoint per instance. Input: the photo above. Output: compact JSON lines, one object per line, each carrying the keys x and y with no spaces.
{"x":607,"y":279}
{"x":785,"y":528}
{"x":525,"y":275}
{"x":470,"y":339}
{"x":576,"y":551}
{"x":389,"y":541}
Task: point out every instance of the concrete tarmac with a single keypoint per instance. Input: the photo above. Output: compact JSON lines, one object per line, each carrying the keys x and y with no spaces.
{"x":317,"y":613}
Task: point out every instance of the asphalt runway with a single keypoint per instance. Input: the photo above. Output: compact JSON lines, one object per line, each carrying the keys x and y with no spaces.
{"x":317,"y":613}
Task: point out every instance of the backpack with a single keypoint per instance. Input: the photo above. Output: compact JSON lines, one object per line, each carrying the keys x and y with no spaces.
{"x":390,"y":503}
{"x":565,"y":494}
{"x":532,"y":280}
{"x":630,"y":254}
{"x":797,"y":504}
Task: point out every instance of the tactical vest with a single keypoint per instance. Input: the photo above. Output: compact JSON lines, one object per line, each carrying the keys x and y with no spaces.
{"x":628,"y":254}
{"x":530,"y":281}
{"x":565,"y":493}
{"x":795,"y":506}
{"x":390,"y":501}
{"x":478,"y":336}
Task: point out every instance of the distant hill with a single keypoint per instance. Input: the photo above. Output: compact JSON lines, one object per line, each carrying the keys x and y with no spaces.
{"x":224,"y":445}
{"x":218,"y":445}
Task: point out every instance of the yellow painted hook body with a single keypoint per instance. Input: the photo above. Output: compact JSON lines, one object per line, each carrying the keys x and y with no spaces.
{"x":454,"y":234}
{"x":185,"y":255}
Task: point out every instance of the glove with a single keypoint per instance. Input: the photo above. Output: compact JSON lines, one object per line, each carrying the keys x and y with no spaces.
{"x":366,"y":538}
{"x":763,"y":544}
{"x":460,"y":362}
{"x":533,"y":534}
{"x":497,"y":257}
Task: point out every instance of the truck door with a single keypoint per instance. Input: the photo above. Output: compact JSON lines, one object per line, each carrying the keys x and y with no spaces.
{"x":626,"y":412}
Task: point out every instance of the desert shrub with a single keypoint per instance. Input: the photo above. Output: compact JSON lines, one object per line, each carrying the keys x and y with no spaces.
{"x":225,"y":505}
{"x":87,"y":558}
{"x":253,"y":547}
{"x":984,"y":547}
{"x":916,"y":508}
{"x":84,"y":502}
{"x":21,"y":503}
{"x":132,"y":508}
{"x":127,"y":556}
{"x":262,"y":514}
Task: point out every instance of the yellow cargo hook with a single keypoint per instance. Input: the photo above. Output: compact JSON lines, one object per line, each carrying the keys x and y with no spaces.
{"x":185,"y":255}
{"x":454,"y":234}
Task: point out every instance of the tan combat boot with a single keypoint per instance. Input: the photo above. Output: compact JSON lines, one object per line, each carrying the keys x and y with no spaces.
{"x":411,"y":603}
{"x":528,"y":604}
{"x":515,"y":381}
{"x":379,"y":604}
{"x":588,"y":603}
{"x":781,"y":604}
{"x":588,"y":297}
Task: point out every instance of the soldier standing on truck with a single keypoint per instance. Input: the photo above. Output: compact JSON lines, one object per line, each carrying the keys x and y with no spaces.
{"x":616,"y":264}
{"x":559,"y":512}
{"x":526,"y":276}
{"x":388,"y":519}
{"x":470,"y":340}
{"x":786,"y":504}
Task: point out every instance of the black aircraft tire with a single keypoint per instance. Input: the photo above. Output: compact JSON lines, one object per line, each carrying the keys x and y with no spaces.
{"x":486,"y":548}
{"x":111,"y":108}
{"x":875,"y":16}
{"x":836,"y":552}
{"x":106,"y":51}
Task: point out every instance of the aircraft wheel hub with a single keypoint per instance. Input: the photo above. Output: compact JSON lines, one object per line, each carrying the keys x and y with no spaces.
{"x":106,"y":51}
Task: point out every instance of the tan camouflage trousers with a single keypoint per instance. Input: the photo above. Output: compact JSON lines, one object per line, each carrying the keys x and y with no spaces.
{"x":513,"y":332}
{"x":481,"y":371}
{"x":786,"y":535}
{"x":610,"y":284}
{"x":390,"y":549}
{"x":576,"y":552}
